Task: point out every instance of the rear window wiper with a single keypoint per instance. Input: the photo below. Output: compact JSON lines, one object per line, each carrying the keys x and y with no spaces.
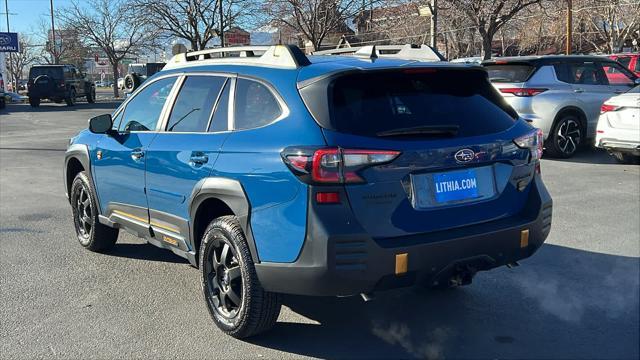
{"x":430,"y":130}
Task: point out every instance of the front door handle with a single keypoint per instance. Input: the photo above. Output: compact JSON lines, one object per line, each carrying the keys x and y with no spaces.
{"x":199,"y":158}
{"x":619,"y":92}
{"x":578,"y":91}
{"x":136,"y":155}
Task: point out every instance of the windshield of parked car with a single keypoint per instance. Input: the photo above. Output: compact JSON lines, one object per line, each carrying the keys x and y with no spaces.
{"x":429,"y":102}
{"x":52,"y":72}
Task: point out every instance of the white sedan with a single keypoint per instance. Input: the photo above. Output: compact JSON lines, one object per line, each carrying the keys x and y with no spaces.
{"x":618,"y":129}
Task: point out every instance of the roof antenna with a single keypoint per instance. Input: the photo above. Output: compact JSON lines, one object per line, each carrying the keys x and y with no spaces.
{"x":369,"y":52}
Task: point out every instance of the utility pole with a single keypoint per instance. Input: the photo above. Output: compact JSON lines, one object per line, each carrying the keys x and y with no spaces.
{"x":569,"y":26}
{"x":221,"y":26}
{"x":434,"y":23}
{"x":6,"y":11}
{"x":53,"y":34}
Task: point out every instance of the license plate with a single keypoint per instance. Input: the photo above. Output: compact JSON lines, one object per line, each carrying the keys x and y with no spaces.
{"x":455,"y":185}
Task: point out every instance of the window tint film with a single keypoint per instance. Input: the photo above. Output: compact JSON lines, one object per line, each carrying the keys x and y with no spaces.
{"x":255,"y":105}
{"x":509,"y":73}
{"x":142,"y":112}
{"x":220,"y":121}
{"x":194,"y":103}
{"x":581,"y":73}
{"x":617,"y":75}
{"x":380,"y":103}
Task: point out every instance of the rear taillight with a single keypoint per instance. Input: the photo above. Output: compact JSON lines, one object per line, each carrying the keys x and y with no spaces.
{"x":606,"y":108}
{"x":333,"y":165}
{"x":1,"y":84}
{"x":61,"y":84}
{"x":532,"y":141}
{"x":523,"y":92}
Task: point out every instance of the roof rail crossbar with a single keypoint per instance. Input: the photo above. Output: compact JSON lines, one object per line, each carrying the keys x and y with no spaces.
{"x":286,"y":56}
{"x":406,"y":51}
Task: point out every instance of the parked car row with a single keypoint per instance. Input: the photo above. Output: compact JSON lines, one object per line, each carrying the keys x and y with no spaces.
{"x":561,"y":95}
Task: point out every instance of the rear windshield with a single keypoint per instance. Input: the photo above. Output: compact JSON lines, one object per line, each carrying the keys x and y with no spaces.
{"x":509,"y":73}
{"x":375,"y":104}
{"x":52,"y":72}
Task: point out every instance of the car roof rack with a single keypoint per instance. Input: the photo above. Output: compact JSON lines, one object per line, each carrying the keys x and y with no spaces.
{"x":407,"y":51}
{"x":282,"y":56}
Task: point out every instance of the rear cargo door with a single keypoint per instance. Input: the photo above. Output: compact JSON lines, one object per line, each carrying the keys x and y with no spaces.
{"x":458,"y":163}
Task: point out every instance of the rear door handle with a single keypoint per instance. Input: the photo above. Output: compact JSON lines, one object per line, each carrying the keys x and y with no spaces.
{"x":578,"y":90}
{"x":619,"y":92}
{"x":137,"y":154}
{"x":199,"y":158}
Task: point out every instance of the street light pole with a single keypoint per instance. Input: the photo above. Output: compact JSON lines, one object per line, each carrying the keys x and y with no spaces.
{"x":53,"y":34}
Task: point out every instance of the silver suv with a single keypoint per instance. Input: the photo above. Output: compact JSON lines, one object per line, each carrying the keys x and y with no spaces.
{"x":561,"y":95}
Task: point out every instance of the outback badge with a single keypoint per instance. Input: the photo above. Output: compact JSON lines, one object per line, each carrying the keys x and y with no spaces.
{"x":464,"y":155}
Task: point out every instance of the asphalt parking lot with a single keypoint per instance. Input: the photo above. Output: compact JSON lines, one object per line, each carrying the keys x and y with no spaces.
{"x":578,"y":297}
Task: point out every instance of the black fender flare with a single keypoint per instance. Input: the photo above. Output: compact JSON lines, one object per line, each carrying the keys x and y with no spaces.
{"x":79,"y":152}
{"x":230,"y":192}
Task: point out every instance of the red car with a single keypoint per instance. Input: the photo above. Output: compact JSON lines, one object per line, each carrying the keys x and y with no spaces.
{"x":629,"y":60}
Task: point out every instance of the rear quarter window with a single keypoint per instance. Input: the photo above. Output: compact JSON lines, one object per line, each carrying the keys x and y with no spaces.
{"x":372,"y":104}
{"x":509,"y":73}
{"x":255,"y":105}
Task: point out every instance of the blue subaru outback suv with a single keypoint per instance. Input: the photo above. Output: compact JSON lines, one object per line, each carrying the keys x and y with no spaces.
{"x":274,"y":172}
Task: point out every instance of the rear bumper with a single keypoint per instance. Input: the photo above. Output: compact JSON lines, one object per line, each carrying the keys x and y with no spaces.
{"x":55,"y":94}
{"x":344,"y":260}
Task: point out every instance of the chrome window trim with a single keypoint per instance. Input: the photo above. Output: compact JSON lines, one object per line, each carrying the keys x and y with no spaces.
{"x":285,"y":111}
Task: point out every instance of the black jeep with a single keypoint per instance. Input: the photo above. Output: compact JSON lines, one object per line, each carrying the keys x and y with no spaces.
{"x":58,"y":83}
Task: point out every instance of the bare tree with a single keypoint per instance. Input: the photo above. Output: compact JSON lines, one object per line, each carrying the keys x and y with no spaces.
{"x":111,"y":26}
{"x":315,"y":19}
{"x":196,"y":21}
{"x":613,"y":21}
{"x":490,"y":17}
{"x":18,"y":62}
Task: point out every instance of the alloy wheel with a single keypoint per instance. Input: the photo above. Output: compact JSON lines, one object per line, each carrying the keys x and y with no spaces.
{"x":568,"y":136}
{"x":223,"y":277}
{"x":83,"y":215}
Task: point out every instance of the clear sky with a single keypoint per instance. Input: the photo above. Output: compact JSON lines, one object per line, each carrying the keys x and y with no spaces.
{"x":26,"y":15}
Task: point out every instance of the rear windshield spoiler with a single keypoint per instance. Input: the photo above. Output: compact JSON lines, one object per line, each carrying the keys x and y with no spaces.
{"x":446,"y":66}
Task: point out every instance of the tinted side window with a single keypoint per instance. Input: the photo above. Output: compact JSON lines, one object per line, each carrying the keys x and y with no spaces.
{"x":616,"y":74}
{"x":255,"y":105}
{"x":194,"y":103}
{"x":220,"y":121}
{"x":587,"y":73}
{"x":142,"y":112}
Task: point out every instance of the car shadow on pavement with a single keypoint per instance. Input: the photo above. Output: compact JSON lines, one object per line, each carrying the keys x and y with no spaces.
{"x":562,"y":303}
{"x":588,"y":155}
{"x":145,"y":252}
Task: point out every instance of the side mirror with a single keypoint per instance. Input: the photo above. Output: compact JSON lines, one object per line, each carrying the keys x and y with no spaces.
{"x":637,"y":81}
{"x":100,"y":124}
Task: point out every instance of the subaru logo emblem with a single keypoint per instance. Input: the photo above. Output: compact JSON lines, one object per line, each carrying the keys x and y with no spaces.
{"x":5,"y":40}
{"x":464,"y":155}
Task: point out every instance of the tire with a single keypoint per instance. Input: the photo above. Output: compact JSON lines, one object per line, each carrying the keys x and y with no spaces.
{"x":131,"y":82}
{"x":34,"y":102}
{"x":91,"y":96}
{"x":91,"y":234}
{"x":238,"y":304}
{"x":565,"y":138}
{"x":71,"y":99}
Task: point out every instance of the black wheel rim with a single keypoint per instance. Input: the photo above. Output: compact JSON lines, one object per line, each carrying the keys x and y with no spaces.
{"x":83,"y":213}
{"x":569,"y":136}
{"x":223,"y":278}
